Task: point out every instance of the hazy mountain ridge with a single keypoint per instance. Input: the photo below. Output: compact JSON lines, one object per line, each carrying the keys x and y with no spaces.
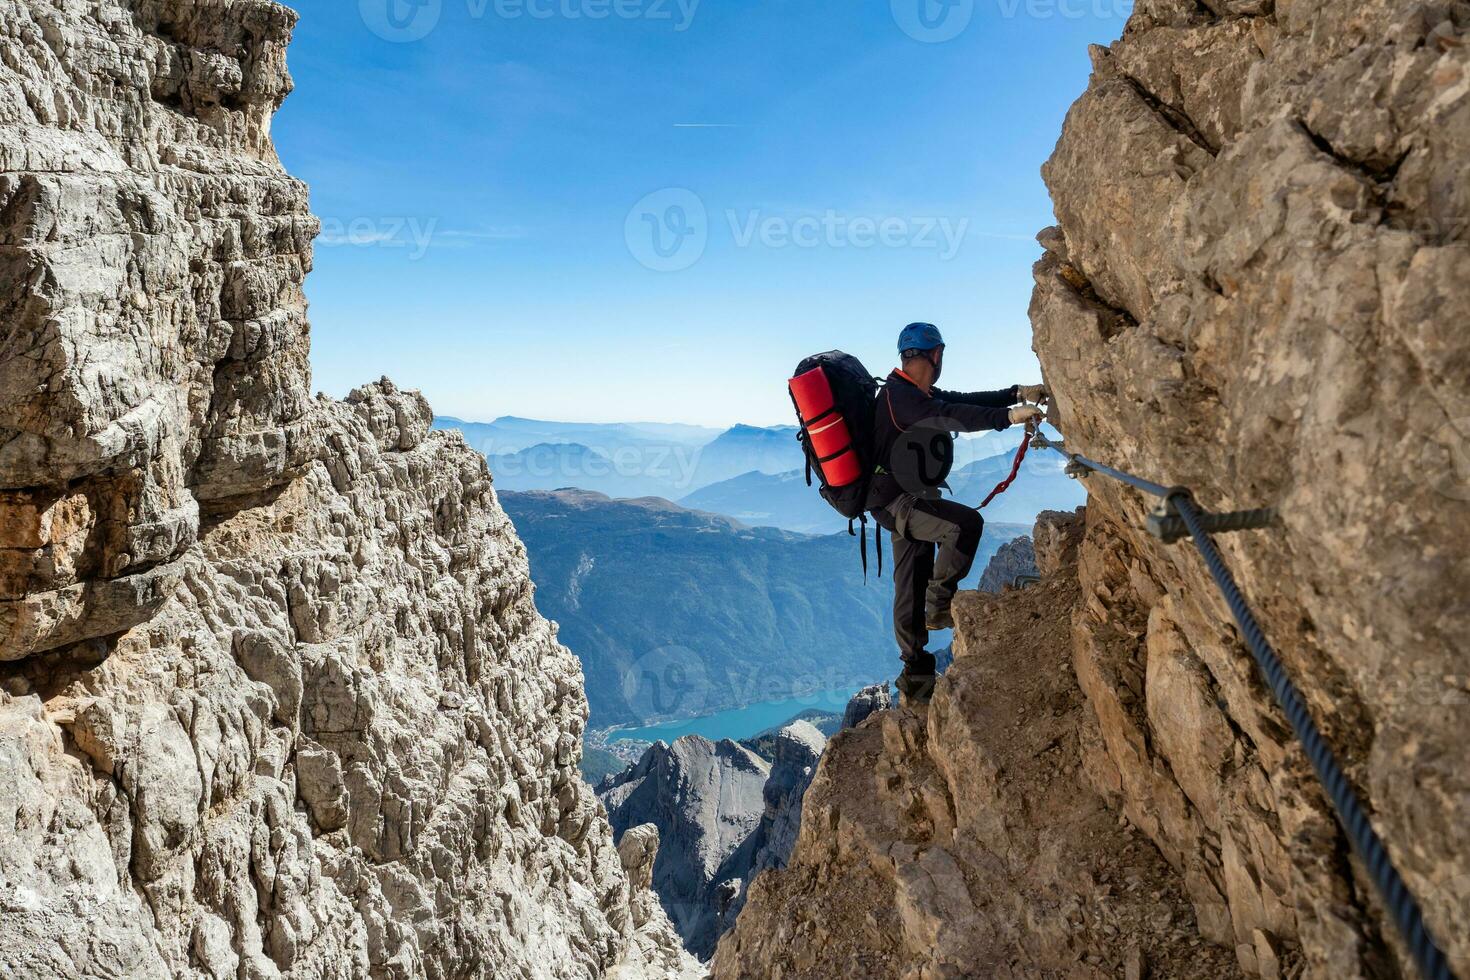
{"x":785,"y":500}
{"x":677,"y":613}
{"x":754,"y":474}
{"x":726,"y":613}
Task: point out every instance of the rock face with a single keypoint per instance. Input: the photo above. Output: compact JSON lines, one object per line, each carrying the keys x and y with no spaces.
{"x":276,"y":699}
{"x":705,"y":801}
{"x":725,"y":815}
{"x":966,"y":841}
{"x":156,"y":338}
{"x":1014,"y":559}
{"x":1258,"y":290}
{"x":798,"y":749}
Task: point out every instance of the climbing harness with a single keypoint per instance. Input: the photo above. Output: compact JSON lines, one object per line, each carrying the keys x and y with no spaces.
{"x":1179,"y":517}
{"x":1033,"y":433}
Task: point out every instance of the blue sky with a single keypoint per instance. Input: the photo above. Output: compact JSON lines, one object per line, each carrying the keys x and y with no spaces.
{"x":602,"y":210}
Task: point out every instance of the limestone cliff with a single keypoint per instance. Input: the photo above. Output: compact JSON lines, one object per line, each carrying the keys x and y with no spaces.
{"x":1258,"y":289}
{"x":275,"y":699}
{"x":723,"y":814}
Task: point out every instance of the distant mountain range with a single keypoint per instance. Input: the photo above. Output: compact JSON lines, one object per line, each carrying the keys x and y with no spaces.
{"x":753,"y":474}
{"x":625,"y":459}
{"x":510,"y":434}
{"x":784,"y":500}
{"x":770,"y":500}
{"x":676,"y":613}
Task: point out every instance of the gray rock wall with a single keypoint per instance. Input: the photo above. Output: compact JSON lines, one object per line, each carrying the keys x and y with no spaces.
{"x":275,"y":698}
{"x":724,"y":814}
{"x":1258,"y":288}
{"x":705,"y":801}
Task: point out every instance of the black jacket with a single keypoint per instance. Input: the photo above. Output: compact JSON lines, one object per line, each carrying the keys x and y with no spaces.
{"x":920,"y":425}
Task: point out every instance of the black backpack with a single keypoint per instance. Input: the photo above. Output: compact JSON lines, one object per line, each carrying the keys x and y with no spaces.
{"x":854,"y":396}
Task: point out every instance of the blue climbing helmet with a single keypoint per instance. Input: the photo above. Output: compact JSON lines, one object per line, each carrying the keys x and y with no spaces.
{"x":920,"y":336}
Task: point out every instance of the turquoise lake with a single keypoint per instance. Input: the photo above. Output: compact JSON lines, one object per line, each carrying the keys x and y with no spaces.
{"x":738,"y":723}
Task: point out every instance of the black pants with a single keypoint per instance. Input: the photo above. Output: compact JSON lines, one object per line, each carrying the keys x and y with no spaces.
{"x":922,"y":581}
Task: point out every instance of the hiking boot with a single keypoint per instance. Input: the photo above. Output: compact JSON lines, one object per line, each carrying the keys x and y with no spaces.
{"x":915,"y":689}
{"x":938,"y":619}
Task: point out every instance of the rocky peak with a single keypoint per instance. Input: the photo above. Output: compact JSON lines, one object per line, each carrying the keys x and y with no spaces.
{"x":725,"y":814}
{"x":706,"y":801}
{"x":864,"y":703}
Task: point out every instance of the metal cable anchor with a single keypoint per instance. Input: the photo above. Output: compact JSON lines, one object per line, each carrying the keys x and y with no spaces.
{"x":1165,"y":523}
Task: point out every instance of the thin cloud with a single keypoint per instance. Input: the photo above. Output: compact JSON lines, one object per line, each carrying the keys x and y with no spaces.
{"x":484,"y":235}
{"x":354,"y":238}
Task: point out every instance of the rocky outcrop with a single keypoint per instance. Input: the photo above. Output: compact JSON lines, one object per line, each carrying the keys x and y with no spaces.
{"x":798,"y":748}
{"x":1014,"y":560}
{"x":966,"y":841}
{"x":864,"y":703}
{"x":155,"y":343}
{"x":1257,"y":289}
{"x":276,"y":699}
{"x":725,"y":815}
{"x":637,"y":849}
{"x":705,"y":800}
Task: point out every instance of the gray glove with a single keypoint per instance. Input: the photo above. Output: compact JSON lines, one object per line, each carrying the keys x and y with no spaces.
{"x":1032,"y":393}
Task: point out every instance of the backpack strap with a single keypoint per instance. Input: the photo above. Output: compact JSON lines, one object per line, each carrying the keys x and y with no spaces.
{"x":864,"y":539}
{"x":878,"y":537}
{"x":862,"y":535}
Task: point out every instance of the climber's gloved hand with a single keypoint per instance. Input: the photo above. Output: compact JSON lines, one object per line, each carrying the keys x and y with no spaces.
{"x":1022,"y":414}
{"x":1032,"y":393}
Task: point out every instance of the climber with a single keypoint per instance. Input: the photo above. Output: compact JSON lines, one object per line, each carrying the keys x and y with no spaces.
{"x":914,"y":447}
